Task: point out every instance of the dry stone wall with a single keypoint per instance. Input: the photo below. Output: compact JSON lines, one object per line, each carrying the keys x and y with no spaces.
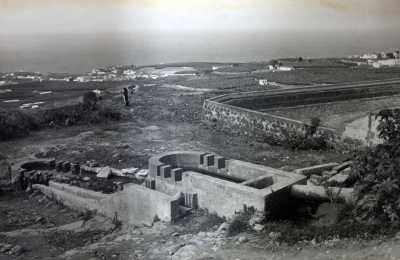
{"x":240,"y":112}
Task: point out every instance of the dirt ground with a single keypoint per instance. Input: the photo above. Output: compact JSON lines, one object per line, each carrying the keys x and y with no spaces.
{"x":160,"y":119}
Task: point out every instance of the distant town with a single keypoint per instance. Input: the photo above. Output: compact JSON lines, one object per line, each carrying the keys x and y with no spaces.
{"x":131,"y":72}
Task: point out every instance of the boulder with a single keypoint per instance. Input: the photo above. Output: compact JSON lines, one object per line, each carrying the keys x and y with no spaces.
{"x":258,"y":227}
{"x":142,"y":174}
{"x":223,"y":228}
{"x":5,"y":173}
{"x":192,"y":252}
{"x":103,"y":172}
{"x":257,"y":218}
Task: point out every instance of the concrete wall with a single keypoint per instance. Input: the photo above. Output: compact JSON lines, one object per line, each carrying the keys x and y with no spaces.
{"x":248,"y":171}
{"x":222,"y":197}
{"x":135,"y":205}
{"x":140,"y":205}
{"x":214,"y":180}
{"x":239,"y":112}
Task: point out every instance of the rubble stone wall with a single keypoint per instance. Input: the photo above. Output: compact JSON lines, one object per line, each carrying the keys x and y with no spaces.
{"x":240,"y":112}
{"x":255,"y":124}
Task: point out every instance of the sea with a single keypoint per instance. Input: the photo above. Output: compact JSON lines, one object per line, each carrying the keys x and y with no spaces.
{"x":79,"y":53}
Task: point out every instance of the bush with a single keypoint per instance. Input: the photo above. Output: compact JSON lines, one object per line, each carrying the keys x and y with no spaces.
{"x":67,"y":115}
{"x":307,"y":140}
{"x":16,"y":124}
{"x":377,"y":176}
{"x":89,"y":100}
{"x":240,"y":222}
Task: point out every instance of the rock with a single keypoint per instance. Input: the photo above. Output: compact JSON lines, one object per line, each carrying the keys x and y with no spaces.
{"x":39,"y":219}
{"x":191,"y":252}
{"x":5,"y":247}
{"x":339,"y":180}
{"x":152,"y":128}
{"x":5,"y":173}
{"x":103,"y":172}
{"x":243,"y":239}
{"x":258,"y":227}
{"x":223,"y":228}
{"x":274,"y":236}
{"x":257,"y":218}
{"x":86,"y":178}
{"x":16,"y":250}
{"x":142,"y":174}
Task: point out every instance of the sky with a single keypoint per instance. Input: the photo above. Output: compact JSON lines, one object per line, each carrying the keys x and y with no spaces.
{"x":105,"y":16}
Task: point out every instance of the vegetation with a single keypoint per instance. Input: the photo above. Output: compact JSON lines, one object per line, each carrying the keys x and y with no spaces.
{"x":377,"y":176}
{"x":306,"y":140}
{"x":17,"y":123}
{"x":89,"y":100}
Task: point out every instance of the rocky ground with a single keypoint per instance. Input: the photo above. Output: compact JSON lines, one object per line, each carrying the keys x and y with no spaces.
{"x":167,"y":119}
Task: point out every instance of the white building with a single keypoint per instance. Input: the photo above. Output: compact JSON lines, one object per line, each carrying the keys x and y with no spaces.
{"x":369,"y":56}
{"x":386,"y":63}
{"x":274,"y":68}
{"x":263,"y":82}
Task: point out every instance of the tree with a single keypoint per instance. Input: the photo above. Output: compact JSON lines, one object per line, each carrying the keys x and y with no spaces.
{"x":89,"y":100}
{"x":376,"y":175}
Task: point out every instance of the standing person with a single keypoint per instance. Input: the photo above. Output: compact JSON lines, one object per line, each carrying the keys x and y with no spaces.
{"x":125,"y":96}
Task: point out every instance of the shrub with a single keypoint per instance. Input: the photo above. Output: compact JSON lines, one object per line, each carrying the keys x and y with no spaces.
{"x":240,"y":222}
{"x":299,"y":141}
{"x":16,"y":124}
{"x":89,"y":100}
{"x":67,"y":115}
{"x":377,"y":176}
{"x":307,"y":140}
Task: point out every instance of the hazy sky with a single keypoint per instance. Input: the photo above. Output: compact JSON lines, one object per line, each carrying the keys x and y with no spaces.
{"x":98,"y":16}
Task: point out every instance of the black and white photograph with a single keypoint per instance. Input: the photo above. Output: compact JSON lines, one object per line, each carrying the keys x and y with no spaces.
{"x":199,"y":129}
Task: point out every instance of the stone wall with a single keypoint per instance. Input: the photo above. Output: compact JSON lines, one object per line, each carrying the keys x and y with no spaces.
{"x":240,"y":112}
{"x":255,"y":124}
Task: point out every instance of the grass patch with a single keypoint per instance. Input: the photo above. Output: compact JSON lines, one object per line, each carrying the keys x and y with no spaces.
{"x":19,"y":123}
